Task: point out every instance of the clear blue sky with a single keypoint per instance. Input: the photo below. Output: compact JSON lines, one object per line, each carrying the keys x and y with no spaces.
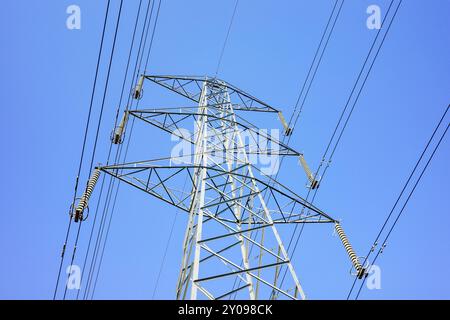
{"x":46,"y":80}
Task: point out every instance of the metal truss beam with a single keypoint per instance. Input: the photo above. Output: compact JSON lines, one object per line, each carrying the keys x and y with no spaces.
{"x":191,"y":88}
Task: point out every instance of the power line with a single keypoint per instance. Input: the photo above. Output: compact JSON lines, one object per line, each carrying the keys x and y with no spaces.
{"x":375,"y":243}
{"x":100,"y":230}
{"x":305,"y":97}
{"x":126,"y":150}
{"x":317,"y":66}
{"x":226,"y":38}
{"x":99,"y":124}
{"x":152,"y":37}
{"x":330,"y":18}
{"x":407,"y":200}
{"x":84,"y":144}
{"x":110,"y":148}
{"x":98,"y":204}
{"x":349,"y":115}
{"x":355,"y":101}
{"x":117,"y":190}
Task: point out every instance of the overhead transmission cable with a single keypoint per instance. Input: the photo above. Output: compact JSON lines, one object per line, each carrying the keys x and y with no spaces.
{"x":339,"y":9}
{"x":84,"y":144}
{"x":126,"y":153}
{"x":99,"y":235}
{"x":98,"y":126}
{"x":314,"y":63}
{"x":397,"y":201}
{"x":354,"y":103}
{"x":226,"y":39}
{"x":348,"y":116}
{"x":110,"y":148}
{"x":102,"y":218}
{"x":119,"y":151}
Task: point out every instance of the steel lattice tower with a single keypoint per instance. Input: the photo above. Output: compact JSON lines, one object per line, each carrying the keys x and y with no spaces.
{"x":231,"y":245}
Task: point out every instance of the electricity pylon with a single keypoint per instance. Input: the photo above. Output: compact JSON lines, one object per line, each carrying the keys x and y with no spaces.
{"x":231,"y":245}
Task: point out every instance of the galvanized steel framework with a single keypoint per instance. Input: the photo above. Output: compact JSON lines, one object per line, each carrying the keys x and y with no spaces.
{"x":231,"y":245}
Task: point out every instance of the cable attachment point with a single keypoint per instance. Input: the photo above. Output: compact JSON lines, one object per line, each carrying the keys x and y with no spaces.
{"x":72,"y":214}
{"x":117,"y":136}
{"x":360,"y":270}
{"x":83,"y":203}
{"x":63,"y":251}
{"x":314,"y":183}
{"x":137,"y":94}
{"x":373,"y":247}
{"x":287,"y":130}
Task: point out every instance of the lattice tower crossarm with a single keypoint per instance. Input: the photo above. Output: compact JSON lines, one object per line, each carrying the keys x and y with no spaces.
{"x":231,"y":245}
